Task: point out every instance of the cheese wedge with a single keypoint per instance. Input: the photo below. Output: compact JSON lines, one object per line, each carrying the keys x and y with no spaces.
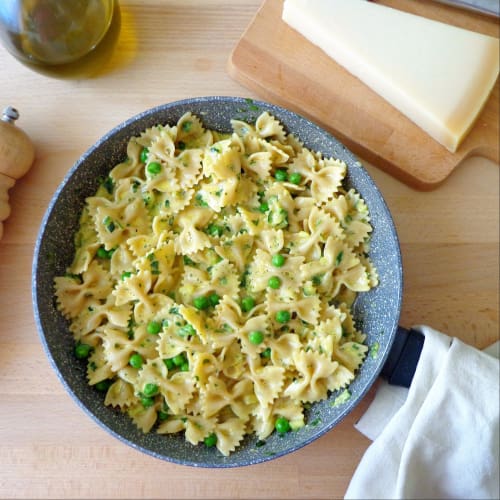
{"x":438,"y":75}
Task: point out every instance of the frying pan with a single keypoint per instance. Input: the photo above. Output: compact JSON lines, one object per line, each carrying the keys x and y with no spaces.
{"x":376,"y":312}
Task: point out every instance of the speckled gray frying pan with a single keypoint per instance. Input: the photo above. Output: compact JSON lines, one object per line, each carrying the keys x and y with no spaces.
{"x":375,"y":312}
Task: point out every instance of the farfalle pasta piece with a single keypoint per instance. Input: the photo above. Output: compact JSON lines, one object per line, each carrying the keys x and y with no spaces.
{"x":222,"y":161}
{"x":191,"y":238}
{"x":311,"y":384}
{"x":133,"y":288}
{"x":350,"y":354}
{"x":324,"y":176}
{"x":278,"y":156}
{"x":282,"y":349}
{"x":266,"y":416}
{"x":118,"y":346}
{"x":176,"y":339}
{"x":237,"y":250}
{"x":86,"y":244}
{"x":198,"y":428}
{"x":173,"y":425}
{"x":122,"y":261}
{"x":156,"y":308}
{"x":258,"y":163}
{"x":233,"y":360}
{"x":146,"y":137}
{"x":220,"y":193}
{"x":98,"y":368}
{"x":143,"y":417}
{"x":225,"y":280}
{"x":216,"y":395}
{"x":262,"y":270}
{"x":271,"y":240}
{"x":204,"y":365}
{"x":177,"y":390}
{"x":268,"y":126}
{"x":340,"y":378}
{"x":267,"y":381}
{"x":308,"y":309}
{"x":371,"y":271}
{"x":132,"y":166}
{"x":352,"y":213}
{"x":96,"y":314}
{"x":327,"y":179}
{"x":75,"y":293}
{"x":254,"y":324}
{"x":162,"y":144}
{"x":116,"y":222}
{"x":121,"y":394}
{"x":191,"y":133}
{"x":160,"y":178}
{"x":229,"y":435}
{"x":168,"y":204}
{"x":194,"y":282}
{"x":189,"y":165}
{"x":255,"y":222}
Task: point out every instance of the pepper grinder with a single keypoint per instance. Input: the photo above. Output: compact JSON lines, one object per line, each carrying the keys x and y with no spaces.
{"x":17,"y":154}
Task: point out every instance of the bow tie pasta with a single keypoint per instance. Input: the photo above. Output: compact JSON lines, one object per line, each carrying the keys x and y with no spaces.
{"x":212,"y":281}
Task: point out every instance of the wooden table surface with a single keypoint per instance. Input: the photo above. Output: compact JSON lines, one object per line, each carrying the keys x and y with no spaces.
{"x":168,"y":50}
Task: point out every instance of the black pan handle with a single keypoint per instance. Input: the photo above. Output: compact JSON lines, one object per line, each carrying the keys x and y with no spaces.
{"x":402,"y":361}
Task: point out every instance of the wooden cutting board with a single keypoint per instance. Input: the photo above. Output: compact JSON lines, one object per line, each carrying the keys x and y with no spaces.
{"x":283,"y":67}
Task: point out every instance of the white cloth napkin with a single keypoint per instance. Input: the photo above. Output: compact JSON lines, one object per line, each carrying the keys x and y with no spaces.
{"x":440,"y":438}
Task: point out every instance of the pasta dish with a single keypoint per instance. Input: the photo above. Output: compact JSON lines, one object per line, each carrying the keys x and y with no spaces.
{"x":212,"y":282}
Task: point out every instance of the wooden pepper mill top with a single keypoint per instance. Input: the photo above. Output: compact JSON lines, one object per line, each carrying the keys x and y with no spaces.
{"x":16,"y":149}
{"x":17,"y":154}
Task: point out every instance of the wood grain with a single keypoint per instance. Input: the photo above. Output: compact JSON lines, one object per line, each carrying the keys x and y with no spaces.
{"x":167,"y":51}
{"x":281,"y":65}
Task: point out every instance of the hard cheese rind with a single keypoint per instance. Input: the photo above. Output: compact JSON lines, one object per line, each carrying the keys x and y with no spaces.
{"x":438,"y":75}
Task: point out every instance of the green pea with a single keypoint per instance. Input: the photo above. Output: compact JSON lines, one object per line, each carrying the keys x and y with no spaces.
{"x":256,"y":337}
{"x":82,"y":351}
{"x":154,"y":327}
{"x":169,"y":363}
{"x":102,"y":253}
{"x":281,"y":175}
{"x":278,"y":260}
{"x":215,"y":230}
{"x":125,"y":275}
{"x":147,"y":402}
{"x":154,"y":168}
{"x":266,"y":353}
{"x":179,"y":360}
{"x":144,"y":155}
{"x":295,"y":178}
{"x":162,"y":416}
{"x":263,"y":207}
{"x":282,"y":425}
{"x":211,"y":440}
{"x":247,"y":304}
{"x":136,"y":360}
{"x":201,"y":303}
{"x":214,"y":299}
{"x":186,"y":126}
{"x":103,"y":385}
{"x":274,"y":282}
{"x":186,"y":330}
{"x":282,"y":316}
{"x":150,"y":390}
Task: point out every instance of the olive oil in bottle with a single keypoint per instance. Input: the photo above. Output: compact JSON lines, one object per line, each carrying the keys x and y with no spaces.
{"x":53,"y":33}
